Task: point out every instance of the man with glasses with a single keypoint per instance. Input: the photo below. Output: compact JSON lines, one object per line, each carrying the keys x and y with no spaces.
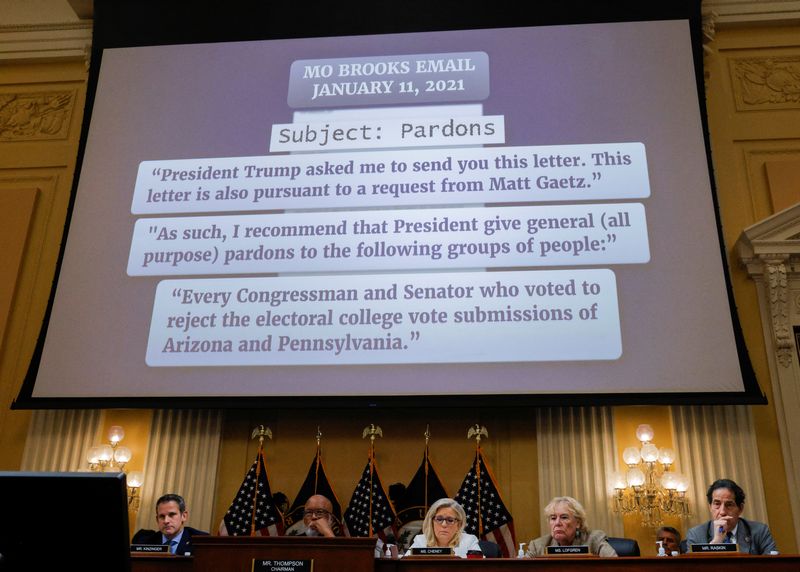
{"x":318,"y":516}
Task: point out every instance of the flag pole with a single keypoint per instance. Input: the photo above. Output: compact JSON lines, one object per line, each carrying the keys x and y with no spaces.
{"x":478,"y":431}
{"x":371,"y":486}
{"x":259,"y":432}
{"x":372,"y":431}
{"x":427,"y":439}
{"x":317,"y":459}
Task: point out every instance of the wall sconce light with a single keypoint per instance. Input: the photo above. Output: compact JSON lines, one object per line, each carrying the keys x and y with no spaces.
{"x":135,"y":480}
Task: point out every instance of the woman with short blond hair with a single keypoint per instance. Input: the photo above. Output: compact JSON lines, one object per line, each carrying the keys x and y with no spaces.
{"x":567,"y":520}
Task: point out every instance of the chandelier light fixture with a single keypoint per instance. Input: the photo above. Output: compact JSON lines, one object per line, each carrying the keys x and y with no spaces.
{"x":110,"y":457}
{"x":650,"y":488}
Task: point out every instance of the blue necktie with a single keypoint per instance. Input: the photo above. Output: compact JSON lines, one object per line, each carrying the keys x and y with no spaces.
{"x":728,"y":538}
{"x":173,"y":545}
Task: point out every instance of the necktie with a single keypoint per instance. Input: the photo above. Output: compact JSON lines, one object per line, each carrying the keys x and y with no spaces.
{"x":728,"y":538}
{"x":173,"y":545}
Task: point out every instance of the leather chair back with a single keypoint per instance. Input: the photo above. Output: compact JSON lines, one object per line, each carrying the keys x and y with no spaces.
{"x":624,"y":546}
{"x":490,"y":549}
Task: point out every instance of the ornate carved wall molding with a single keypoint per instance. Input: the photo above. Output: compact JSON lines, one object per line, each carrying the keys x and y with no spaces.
{"x":778,"y":294}
{"x":766,"y":83}
{"x":771,"y":254}
{"x":35,"y":116}
{"x":709,"y":27}
{"x":709,"y":32}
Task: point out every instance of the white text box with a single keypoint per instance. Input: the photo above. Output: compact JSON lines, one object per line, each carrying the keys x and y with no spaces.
{"x":552,"y":315}
{"x":385,"y":133}
{"x":398,"y":239}
{"x":393,"y":178}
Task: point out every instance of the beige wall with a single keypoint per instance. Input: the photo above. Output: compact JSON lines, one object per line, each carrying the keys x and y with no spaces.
{"x":746,"y":137}
{"x":39,"y":131}
{"x":754,"y":119}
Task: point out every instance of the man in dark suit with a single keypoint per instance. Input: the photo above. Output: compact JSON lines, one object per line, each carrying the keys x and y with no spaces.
{"x":171,"y":516}
{"x":318,"y":516}
{"x":726,"y":503}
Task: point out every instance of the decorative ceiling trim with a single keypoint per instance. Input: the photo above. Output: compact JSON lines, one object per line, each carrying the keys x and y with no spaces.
{"x":738,"y":12}
{"x":45,"y":42}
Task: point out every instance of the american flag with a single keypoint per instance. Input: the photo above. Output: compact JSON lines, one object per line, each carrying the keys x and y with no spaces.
{"x":252,"y":512}
{"x":370,"y":513}
{"x":487,"y":515}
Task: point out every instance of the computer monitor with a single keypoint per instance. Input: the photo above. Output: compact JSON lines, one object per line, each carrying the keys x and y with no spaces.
{"x":63,"y":521}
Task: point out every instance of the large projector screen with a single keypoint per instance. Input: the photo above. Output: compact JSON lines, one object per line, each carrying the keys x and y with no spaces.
{"x":523,"y":212}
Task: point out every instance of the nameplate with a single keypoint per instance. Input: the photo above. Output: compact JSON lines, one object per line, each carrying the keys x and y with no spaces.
{"x":150,"y":548}
{"x":567,"y":550}
{"x":726,"y":548}
{"x":261,"y":565}
{"x":432,"y":551}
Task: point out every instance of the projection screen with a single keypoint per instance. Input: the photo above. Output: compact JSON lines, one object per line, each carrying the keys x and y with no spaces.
{"x":523,"y":212}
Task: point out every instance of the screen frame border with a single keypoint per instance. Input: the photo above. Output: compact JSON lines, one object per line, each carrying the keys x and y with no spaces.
{"x":129,"y":23}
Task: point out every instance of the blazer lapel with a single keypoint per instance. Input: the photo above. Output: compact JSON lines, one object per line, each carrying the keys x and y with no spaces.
{"x":743,"y":537}
{"x":186,"y":541}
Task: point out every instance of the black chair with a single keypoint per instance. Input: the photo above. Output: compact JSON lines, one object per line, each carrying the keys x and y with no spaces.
{"x":624,"y":546}
{"x":141,"y":534}
{"x":490,"y":549}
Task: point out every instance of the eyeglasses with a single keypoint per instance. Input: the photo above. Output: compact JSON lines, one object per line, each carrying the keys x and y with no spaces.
{"x":316,"y":512}
{"x":448,"y":519}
